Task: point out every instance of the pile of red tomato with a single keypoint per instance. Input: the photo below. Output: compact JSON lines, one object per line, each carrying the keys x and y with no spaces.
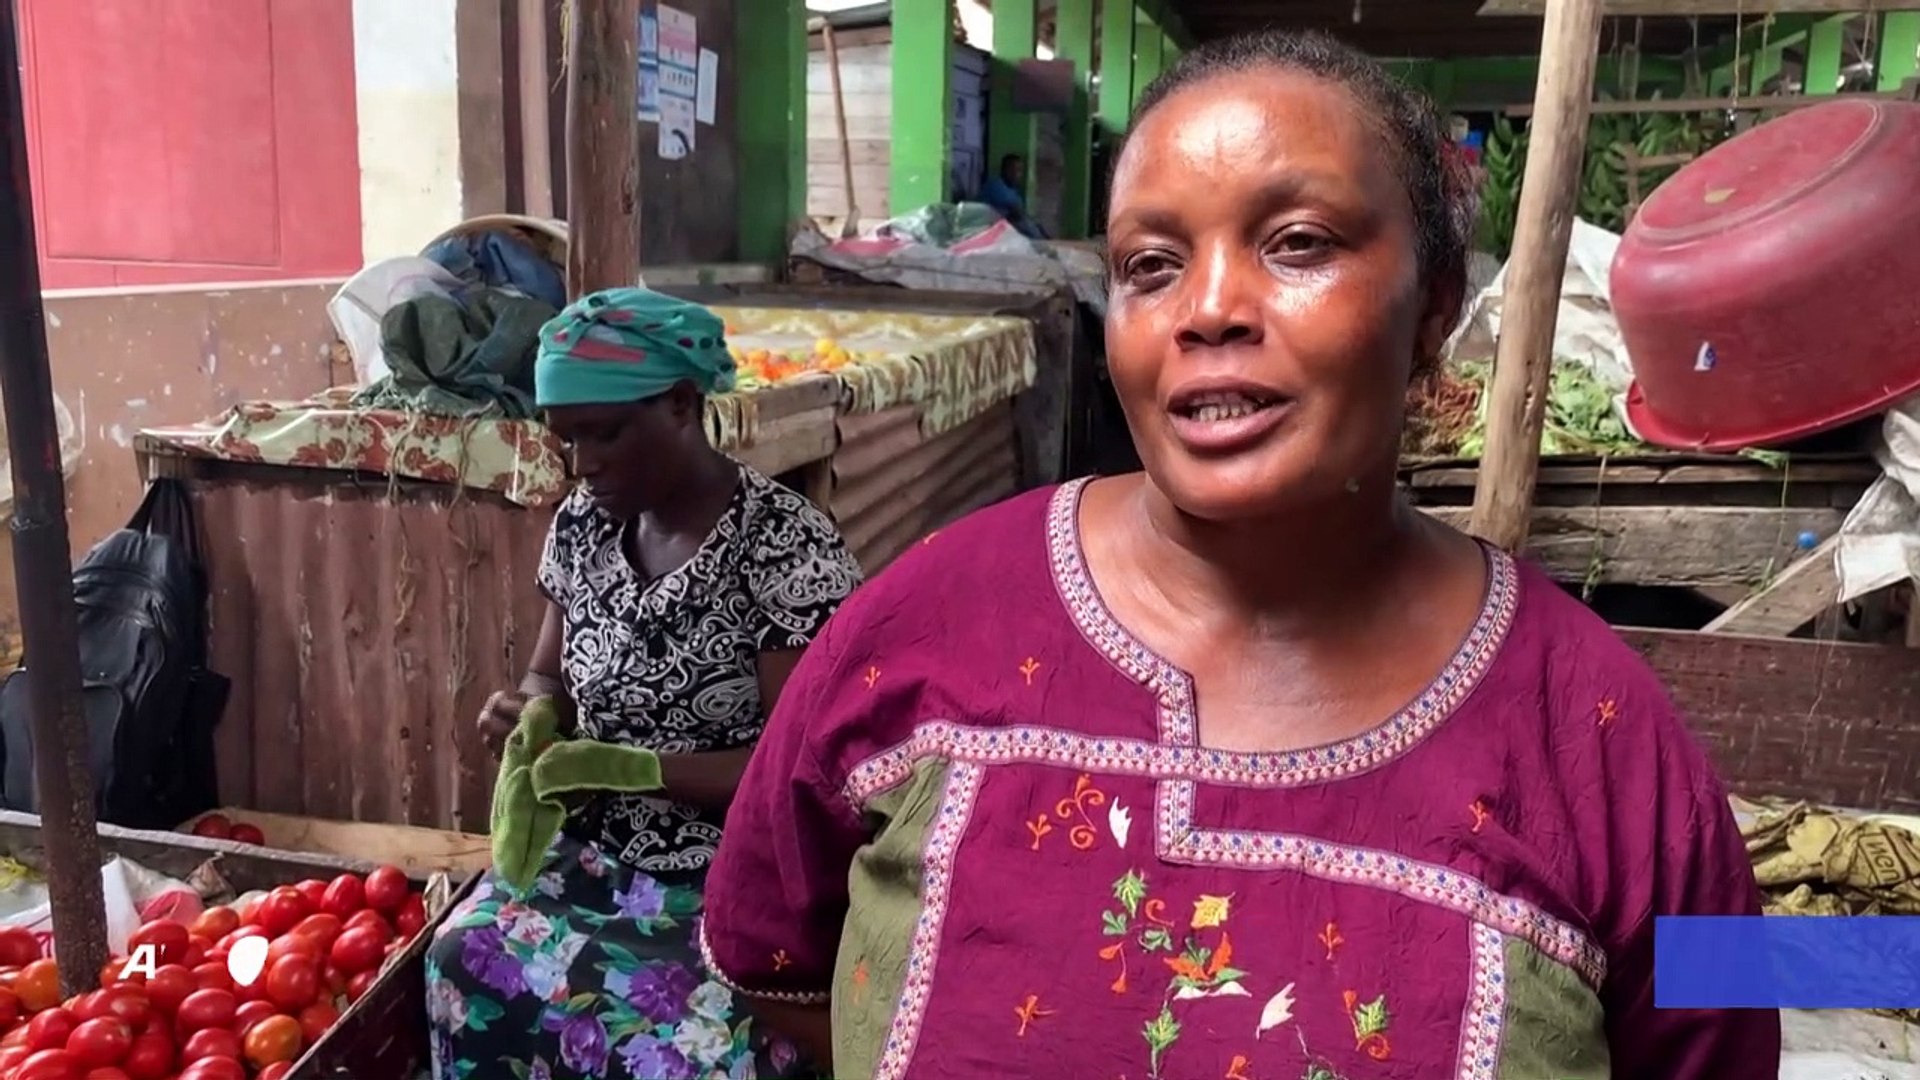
{"x":189,"y":1020}
{"x":217,"y":827}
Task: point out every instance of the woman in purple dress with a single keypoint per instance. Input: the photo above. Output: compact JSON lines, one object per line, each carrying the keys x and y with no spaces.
{"x":1238,"y":769}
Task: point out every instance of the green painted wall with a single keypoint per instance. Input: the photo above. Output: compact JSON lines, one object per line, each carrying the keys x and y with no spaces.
{"x":922,"y":84}
{"x":772,"y":121}
{"x":1008,"y":130}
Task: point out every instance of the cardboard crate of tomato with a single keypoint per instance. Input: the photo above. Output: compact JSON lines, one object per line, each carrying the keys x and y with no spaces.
{"x":310,"y":960}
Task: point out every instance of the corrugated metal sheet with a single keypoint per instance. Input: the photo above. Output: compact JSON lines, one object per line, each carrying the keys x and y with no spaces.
{"x":892,"y":486}
{"x":363,"y":627}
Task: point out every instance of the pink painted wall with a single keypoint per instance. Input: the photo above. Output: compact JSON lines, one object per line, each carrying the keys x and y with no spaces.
{"x":181,"y":141}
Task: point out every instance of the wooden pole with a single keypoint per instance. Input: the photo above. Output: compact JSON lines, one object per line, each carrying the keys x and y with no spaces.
{"x":851,"y":226}
{"x":603,"y":162}
{"x":536,"y":87}
{"x":42,"y":569}
{"x":1543,"y":223}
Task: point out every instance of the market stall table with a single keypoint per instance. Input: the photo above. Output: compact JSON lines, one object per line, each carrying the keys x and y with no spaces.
{"x":372,"y":573}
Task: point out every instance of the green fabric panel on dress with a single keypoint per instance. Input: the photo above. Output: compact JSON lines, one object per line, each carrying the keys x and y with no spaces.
{"x":1555,"y":1028}
{"x":883,"y":886}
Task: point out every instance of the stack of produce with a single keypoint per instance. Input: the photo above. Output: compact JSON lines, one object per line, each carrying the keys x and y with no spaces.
{"x":218,"y":827}
{"x":764,"y":367}
{"x":189,"y":1019}
{"x":1447,"y":414}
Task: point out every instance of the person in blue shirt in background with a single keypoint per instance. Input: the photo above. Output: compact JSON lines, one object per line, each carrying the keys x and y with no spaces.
{"x":1003,"y":193}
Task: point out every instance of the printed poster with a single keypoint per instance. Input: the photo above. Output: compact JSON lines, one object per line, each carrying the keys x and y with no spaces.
{"x":679,"y":64}
{"x":649,"y":80}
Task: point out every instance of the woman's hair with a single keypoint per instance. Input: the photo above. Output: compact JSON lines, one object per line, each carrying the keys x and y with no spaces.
{"x":1436,"y":185}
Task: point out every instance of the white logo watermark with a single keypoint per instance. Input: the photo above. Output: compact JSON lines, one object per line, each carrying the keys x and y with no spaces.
{"x":245,"y":960}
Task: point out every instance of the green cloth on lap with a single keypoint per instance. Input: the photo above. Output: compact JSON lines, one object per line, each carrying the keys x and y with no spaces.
{"x":537,"y":768}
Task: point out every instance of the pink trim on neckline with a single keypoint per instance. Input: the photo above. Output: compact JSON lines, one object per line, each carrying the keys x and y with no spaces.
{"x":1179,"y":714}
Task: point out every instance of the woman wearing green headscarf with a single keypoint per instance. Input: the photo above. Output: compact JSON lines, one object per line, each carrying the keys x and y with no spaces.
{"x":682,"y":587}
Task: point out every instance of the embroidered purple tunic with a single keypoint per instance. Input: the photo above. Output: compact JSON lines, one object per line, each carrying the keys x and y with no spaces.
{"x":981,"y":823}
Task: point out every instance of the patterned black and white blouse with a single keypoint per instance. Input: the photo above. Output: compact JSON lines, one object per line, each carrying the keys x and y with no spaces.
{"x":671,"y":664}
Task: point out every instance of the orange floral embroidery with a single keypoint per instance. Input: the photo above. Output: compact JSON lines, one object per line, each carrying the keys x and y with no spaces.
{"x":861,"y":977}
{"x":1028,"y":1011}
{"x":873,"y":676}
{"x":1237,"y":1068}
{"x":928,"y":539}
{"x":1200,"y":972}
{"x":1478,"y":808}
{"x":781,"y":959}
{"x":1608,"y":711}
{"x":1039,"y":827}
{"x":1370,"y":1022}
{"x":1082,"y":835}
{"x":1028,"y":668}
{"x":1330,"y":937}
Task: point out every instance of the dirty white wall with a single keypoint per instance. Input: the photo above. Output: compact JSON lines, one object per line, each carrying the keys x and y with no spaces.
{"x":407,"y":84}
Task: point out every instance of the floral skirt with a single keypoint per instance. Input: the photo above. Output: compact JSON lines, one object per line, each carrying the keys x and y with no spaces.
{"x":593,"y":972}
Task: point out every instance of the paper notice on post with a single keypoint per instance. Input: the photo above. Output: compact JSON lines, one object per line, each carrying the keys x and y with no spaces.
{"x":679,"y":81}
{"x":649,"y":82}
{"x":706,"y":97}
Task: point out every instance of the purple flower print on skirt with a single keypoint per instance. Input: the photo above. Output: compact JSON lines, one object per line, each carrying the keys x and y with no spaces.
{"x":597,"y":977}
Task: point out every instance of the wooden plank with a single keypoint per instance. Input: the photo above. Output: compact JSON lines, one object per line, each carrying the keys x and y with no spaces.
{"x":1791,"y":600}
{"x":1834,"y":723}
{"x":866,"y":37}
{"x":862,"y":71}
{"x":1684,"y":8}
{"x":865,"y":105}
{"x":830,"y":174}
{"x":789,"y":442}
{"x":1523,"y":356}
{"x":826,"y":151}
{"x":416,"y":849}
{"x":1687,"y":546}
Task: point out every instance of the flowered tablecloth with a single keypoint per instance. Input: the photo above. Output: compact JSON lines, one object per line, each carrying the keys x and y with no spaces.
{"x":954,"y":367}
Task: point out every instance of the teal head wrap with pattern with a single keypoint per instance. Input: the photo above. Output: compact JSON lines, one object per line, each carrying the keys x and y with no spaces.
{"x":626,"y":345}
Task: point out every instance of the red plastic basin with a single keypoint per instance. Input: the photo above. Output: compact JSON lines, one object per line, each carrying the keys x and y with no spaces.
{"x":1767,"y":291}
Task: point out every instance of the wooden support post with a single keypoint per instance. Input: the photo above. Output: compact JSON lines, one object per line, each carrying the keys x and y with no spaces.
{"x":1010,"y":131}
{"x":1116,"y":66}
{"x":921,"y":153}
{"x":603,"y":162}
{"x":1899,"y":48}
{"x":533,"y":75}
{"x":1073,"y":40}
{"x":770,"y":77}
{"x":1825,"y":44}
{"x":1523,"y":357}
{"x":41,"y":570}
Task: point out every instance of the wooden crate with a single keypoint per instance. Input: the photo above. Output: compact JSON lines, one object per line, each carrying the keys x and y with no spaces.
{"x":421,"y":852}
{"x":384,"y":1034}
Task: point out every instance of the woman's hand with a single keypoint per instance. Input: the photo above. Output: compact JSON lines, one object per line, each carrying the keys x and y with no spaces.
{"x":498,"y":717}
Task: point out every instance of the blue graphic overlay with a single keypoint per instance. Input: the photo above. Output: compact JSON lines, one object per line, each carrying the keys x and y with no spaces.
{"x":1786,"y":962}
